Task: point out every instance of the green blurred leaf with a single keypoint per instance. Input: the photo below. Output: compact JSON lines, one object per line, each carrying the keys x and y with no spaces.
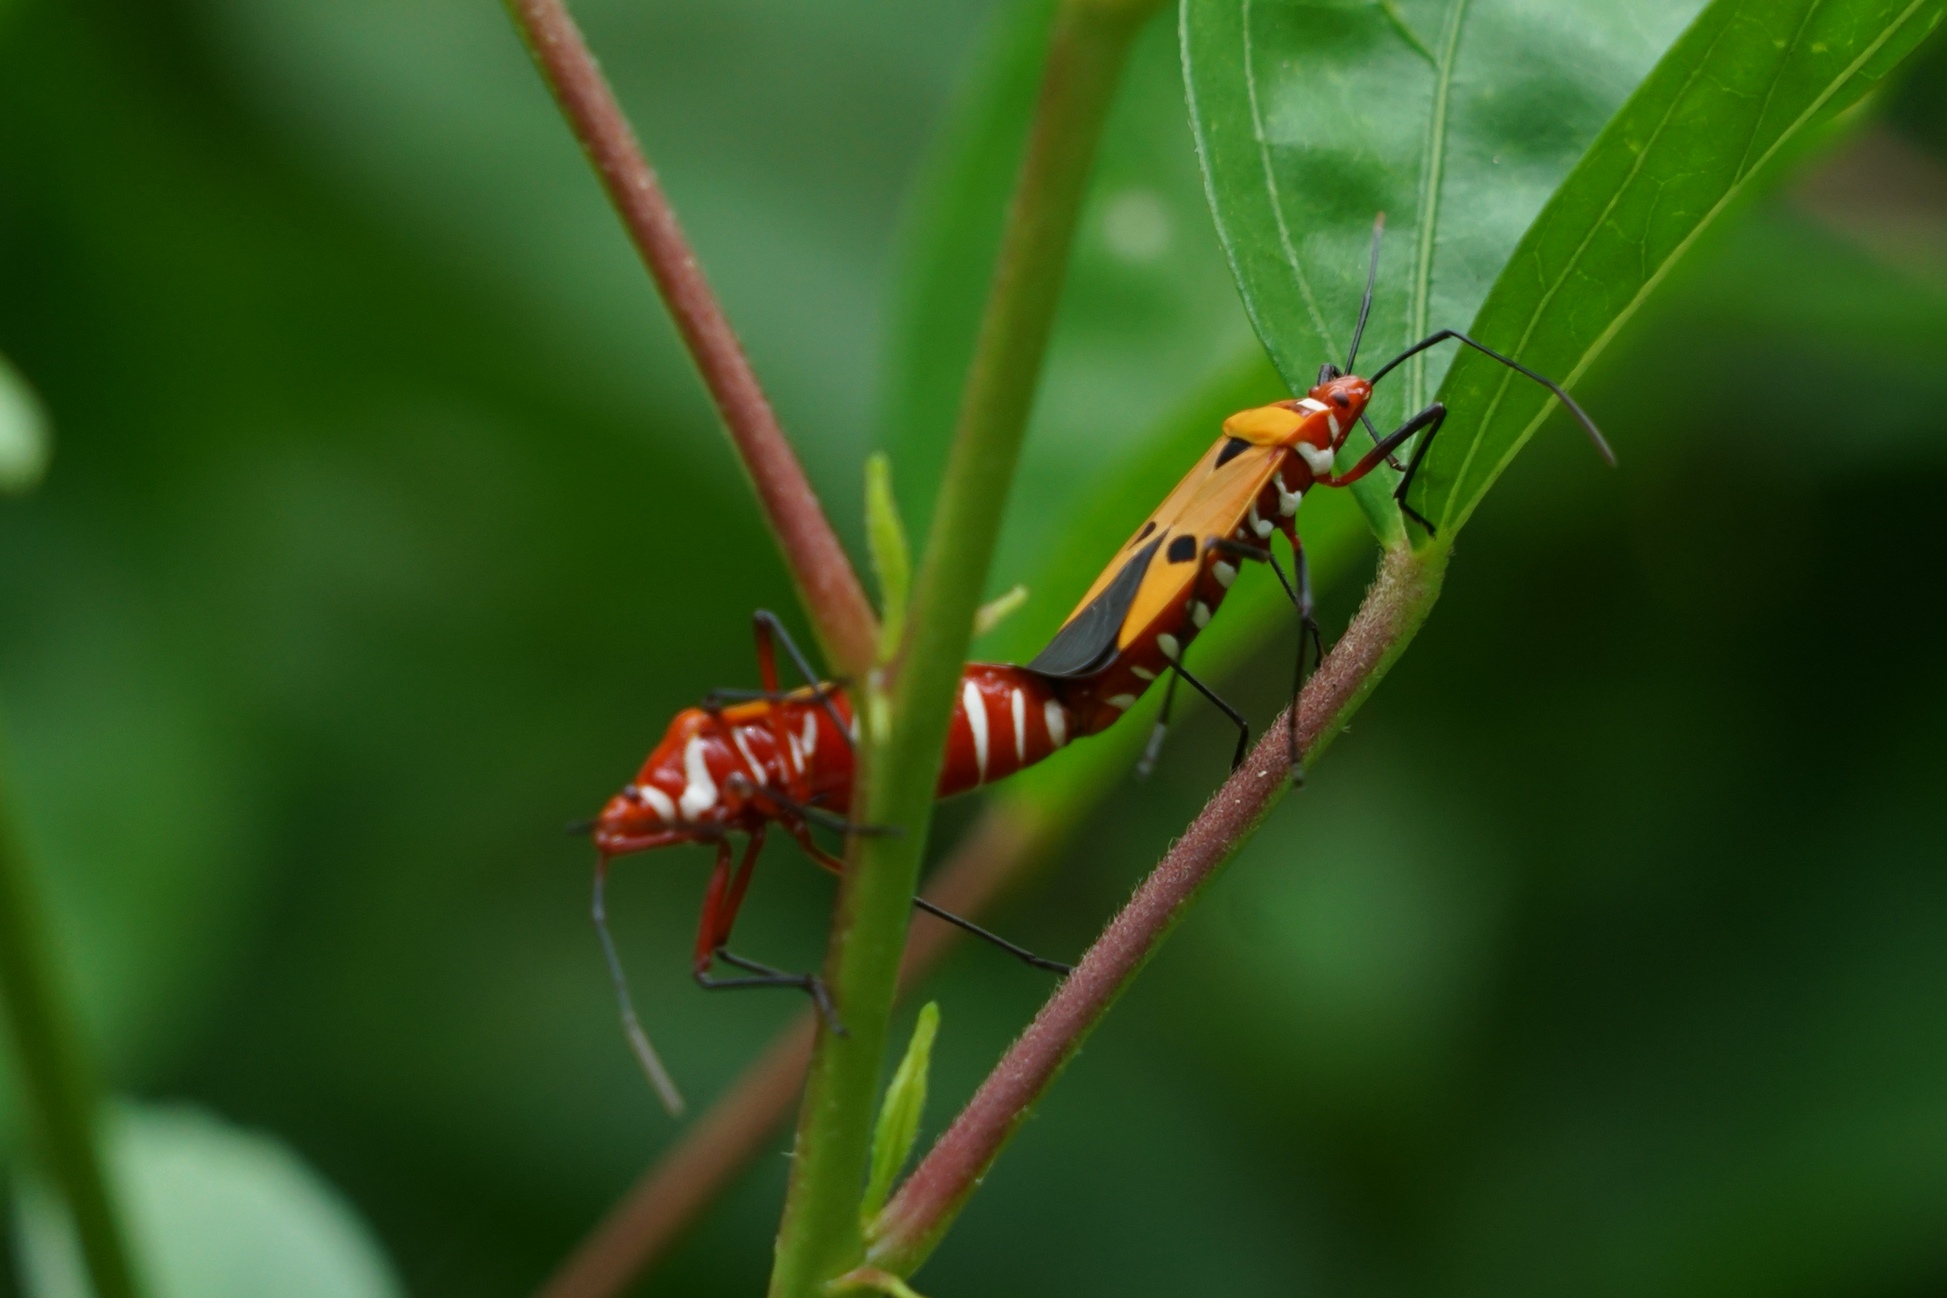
{"x":1311,"y":118}
{"x":892,"y":1140}
{"x":216,"y":1212}
{"x":1748,"y":82}
{"x":23,"y":425}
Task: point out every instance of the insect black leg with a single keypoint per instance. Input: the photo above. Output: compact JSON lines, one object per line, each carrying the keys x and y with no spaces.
{"x":1413,"y":468}
{"x":763,"y":975}
{"x":768,"y":626}
{"x":1147,"y":762}
{"x":1018,"y":952}
{"x":1243,"y":727}
{"x":1301,"y":599}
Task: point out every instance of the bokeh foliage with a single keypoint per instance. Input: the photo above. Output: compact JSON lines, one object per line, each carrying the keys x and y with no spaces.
{"x":388,"y":529}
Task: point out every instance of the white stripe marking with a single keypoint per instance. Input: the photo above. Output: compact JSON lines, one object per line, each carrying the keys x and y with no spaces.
{"x":1224,"y":573}
{"x":757,"y":770}
{"x":656,"y":798}
{"x":1319,"y":462}
{"x":1056,"y":718}
{"x":1122,"y":702}
{"x":1200,"y":614}
{"x":1142,"y":673}
{"x":1167,"y":643}
{"x":1333,"y":420}
{"x":1310,"y":406}
{"x":701,"y":793}
{"x":1288,"y":501}
{"x":975,"y":706}
{"x":810,"y":738}
{"x":1019,"y":706}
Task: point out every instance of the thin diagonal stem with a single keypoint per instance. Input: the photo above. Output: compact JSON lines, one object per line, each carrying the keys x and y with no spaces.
{"x":926,"y":1205}
{"x":54,"y":1069}
{"x":828,"y":586}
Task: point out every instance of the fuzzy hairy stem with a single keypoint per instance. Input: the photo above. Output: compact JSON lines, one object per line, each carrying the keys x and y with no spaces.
{"x":820,"y":1236}
{"x":58,"y":1082}
{"x":925,"y":1206}
{"x":828,"y":587}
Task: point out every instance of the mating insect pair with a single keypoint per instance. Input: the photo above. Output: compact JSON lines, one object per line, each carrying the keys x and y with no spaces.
{"x":749,"y":759}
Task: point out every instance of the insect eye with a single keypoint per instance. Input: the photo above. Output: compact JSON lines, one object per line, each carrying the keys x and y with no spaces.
{"x":1338,"y":399}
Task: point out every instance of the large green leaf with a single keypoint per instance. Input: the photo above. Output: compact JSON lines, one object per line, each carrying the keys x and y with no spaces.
{"x":1457,"y":118}
{"x":1748,"y":81}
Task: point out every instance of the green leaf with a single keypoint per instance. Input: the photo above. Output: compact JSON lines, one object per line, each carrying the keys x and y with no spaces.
{"x":214,"y":1212}
{"x":1311,"y":118}
{"x":892,"y":1139}
{"x":1751,"y":81}
{"x":892,"y":557}
{"x":23,"y":433}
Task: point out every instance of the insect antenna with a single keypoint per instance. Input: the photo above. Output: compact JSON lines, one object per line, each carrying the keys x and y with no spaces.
{"x":1581,"y":415}
{"x":645,"y":1054}
{"x":1365,"y":303}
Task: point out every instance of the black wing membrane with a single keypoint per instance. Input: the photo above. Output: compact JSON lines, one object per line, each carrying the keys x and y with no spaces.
{"x":1087,"y":642}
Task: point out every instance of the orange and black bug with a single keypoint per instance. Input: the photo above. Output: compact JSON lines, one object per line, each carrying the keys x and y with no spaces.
{"x":750,"y":759}
{"x":1139,"y":617}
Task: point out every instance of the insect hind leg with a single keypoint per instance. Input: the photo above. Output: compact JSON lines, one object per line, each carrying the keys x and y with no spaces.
{"x":1237,"y":719}
{"x":1020,"y":953}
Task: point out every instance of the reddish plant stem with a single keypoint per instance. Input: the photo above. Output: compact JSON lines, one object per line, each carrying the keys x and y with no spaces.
{"x":1004,"y":844}
{"x":925,"y":1206}
{"x":827,"y":585}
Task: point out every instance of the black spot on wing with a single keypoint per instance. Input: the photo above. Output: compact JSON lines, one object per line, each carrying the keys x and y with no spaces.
{"x":1087,"y":644}
{"x":1148,"y":527}
{"x":1233,"y":448}
{"x":1182,"y":549}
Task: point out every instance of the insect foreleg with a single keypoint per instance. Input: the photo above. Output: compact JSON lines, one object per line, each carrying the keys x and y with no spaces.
{"x":1430,"y":419}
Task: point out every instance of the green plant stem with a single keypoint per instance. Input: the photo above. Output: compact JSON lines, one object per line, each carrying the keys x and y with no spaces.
{"x":820,"y":1236}
{"x":926,"y":1205}
{"x":59,"y":1084}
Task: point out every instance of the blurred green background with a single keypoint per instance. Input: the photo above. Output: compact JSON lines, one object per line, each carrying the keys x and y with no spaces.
{"x":387,"y":528}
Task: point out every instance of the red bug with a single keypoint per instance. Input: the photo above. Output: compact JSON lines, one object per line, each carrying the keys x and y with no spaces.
{"x":747,"y":760}
{"x":1167,"y":582}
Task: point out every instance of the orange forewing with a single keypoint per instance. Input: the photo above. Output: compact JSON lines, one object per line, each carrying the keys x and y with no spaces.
{"x":1211,"y":501}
